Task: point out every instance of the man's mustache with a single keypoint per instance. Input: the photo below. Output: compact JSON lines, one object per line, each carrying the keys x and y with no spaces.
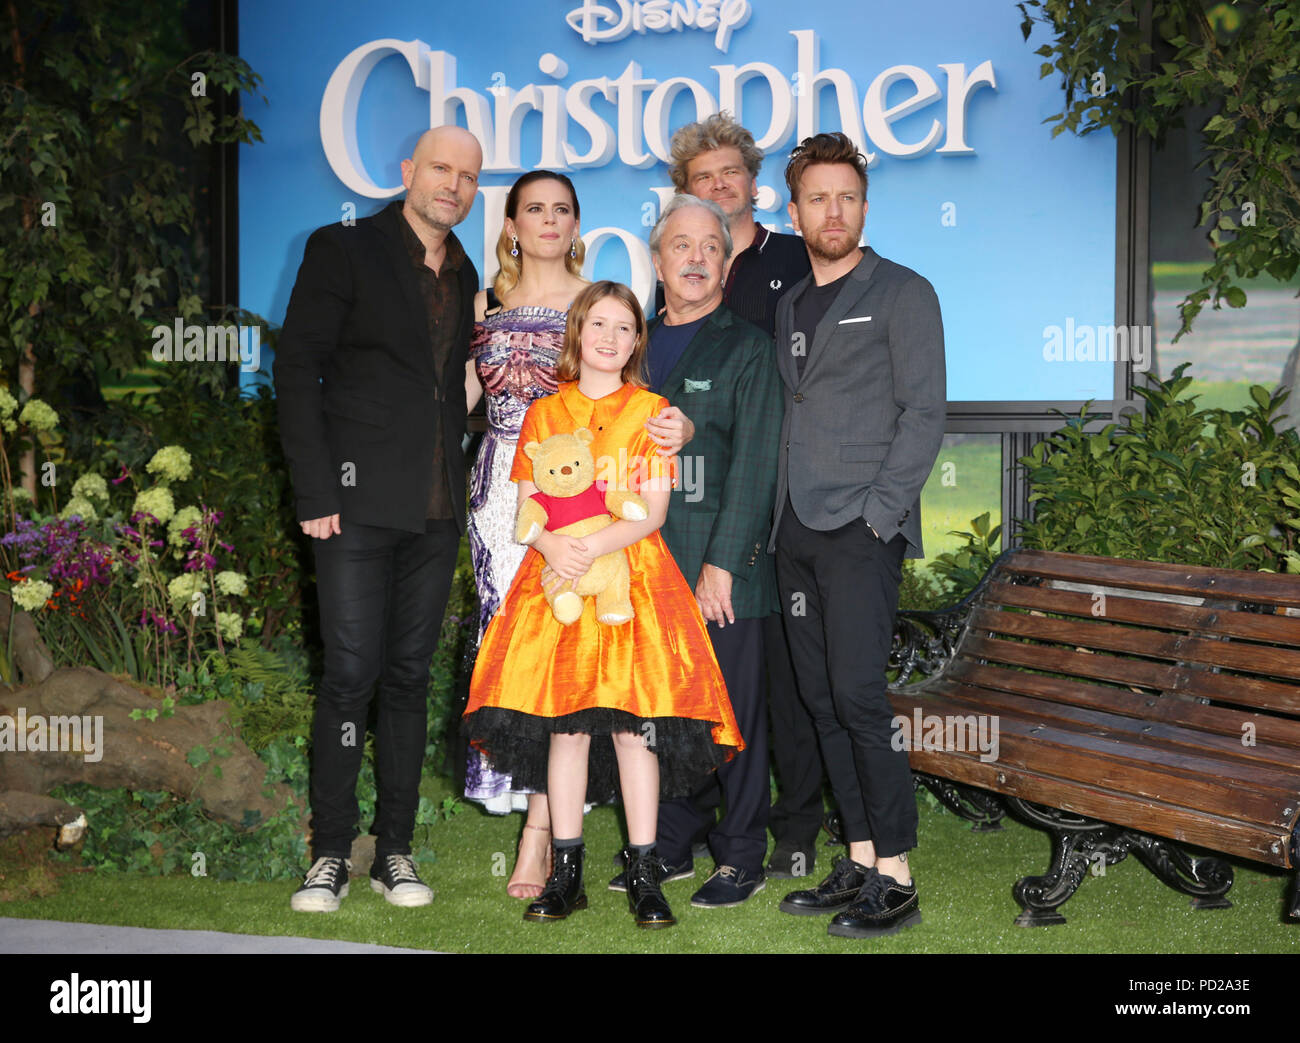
{"x":693,"y":269}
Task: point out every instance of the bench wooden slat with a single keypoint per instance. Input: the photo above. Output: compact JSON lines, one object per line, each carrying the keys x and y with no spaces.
{"x":1153,"y":644}
{"x":1225,"y":688}
{"x":1252,"y":626}
{"x":1175,"y":737}
{"x":1270,"y":732}
{"x":1192,"y":780}
{"x":1262,"y":588}
{"x":1218,"y":833}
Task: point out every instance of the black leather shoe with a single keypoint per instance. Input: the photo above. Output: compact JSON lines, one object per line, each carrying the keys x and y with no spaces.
{"x":645,"y":897}
{"x":563,"y":893}
{"x":838,"y":891}
{"x":682,"y":871}
{"x":884,"y":907}
{"x":791,"y":863}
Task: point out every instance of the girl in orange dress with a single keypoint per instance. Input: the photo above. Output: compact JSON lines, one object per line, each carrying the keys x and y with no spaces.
{"x":563,"y":707}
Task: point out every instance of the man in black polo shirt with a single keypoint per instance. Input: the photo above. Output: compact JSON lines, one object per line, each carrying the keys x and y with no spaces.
{"x":717,"y":159}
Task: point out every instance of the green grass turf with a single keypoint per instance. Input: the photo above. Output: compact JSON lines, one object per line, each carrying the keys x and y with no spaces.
{"x":976,"y":487}
{"x":965,"y":880}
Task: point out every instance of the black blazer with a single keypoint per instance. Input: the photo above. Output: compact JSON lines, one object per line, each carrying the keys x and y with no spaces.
{"x":358,"y":398}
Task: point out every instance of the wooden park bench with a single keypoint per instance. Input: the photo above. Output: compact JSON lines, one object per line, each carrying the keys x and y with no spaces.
{"x":1123,"y":705}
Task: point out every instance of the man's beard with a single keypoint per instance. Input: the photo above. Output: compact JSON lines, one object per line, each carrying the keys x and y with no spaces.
{"x":833,"y":251}
{"x":424,"y":204}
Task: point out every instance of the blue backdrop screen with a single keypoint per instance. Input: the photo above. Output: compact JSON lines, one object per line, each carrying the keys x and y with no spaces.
{"x":1015,"y":229}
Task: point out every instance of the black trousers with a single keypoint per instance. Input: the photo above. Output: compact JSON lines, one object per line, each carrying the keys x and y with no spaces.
{"x":382,"y":596}
{"x":797,"y":813}
{"x":840,"y":592}
{"x":740,"y":838}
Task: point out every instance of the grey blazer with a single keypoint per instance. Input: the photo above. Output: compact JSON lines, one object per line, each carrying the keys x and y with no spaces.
{"x":863,"y":426}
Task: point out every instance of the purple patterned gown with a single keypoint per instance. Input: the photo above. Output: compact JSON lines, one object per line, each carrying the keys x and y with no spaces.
{"x":514,"y":353}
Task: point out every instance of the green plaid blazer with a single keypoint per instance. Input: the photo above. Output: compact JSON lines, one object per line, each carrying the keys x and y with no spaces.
{"x":721,"y":512}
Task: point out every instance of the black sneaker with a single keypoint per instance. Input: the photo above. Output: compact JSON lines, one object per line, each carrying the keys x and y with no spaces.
{"x":884,"y":907}
{"x":325,"y":886}
{"x":838,"y":891}
{"x":396,"y":879}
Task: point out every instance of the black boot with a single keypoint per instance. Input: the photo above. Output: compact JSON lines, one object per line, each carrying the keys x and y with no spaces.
{"x":563,"y":892}
{"x":644,"y":895}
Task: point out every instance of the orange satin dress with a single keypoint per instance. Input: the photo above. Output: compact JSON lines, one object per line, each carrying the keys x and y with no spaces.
{"x":655,"y":675}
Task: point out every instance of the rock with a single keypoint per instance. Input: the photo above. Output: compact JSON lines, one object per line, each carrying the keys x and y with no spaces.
{"x":20,"y":812}
{"x":81,"y":719}
{"x":32,"y":658}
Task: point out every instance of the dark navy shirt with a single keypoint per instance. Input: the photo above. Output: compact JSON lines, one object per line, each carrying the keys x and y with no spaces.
{"x":667,"y":343}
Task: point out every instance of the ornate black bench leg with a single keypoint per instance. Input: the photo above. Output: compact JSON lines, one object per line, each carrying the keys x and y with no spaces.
{"x":1081,"y":845}
{"x":1077,"y":845}
{"x":1294,"y":910}
{"x":977,"y":806}
{"x":1207,"y":880}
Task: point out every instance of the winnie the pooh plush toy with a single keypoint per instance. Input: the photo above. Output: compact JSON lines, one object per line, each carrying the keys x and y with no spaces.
{"x":571,"y":502}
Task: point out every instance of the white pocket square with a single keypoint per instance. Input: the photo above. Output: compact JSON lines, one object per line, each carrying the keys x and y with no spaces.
{"x":861,"y":318}
{"x":697,"y":385}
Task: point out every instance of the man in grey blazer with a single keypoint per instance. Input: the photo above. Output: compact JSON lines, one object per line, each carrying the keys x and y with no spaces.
{"x":860,"y":350}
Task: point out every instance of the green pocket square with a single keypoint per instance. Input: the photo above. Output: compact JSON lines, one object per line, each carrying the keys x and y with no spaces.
{"x":697,"y":385}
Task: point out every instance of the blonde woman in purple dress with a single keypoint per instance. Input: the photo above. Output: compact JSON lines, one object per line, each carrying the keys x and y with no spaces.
{"x":517,"y":339}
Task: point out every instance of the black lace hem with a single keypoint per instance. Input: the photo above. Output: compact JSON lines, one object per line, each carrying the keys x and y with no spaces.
{"x":520,"y":744}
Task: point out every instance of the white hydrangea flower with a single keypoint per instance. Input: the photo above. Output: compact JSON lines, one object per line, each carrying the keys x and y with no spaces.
{"x":231,"y":626}
{"x":232,"y":583}
{"x":185,"y":518}
{"x":38,"y":416}
{"x":171,"y":463}
{"x":80,"y":507}
{"x":181,"y":590}
{"x":156,"y":501}
{"x":31,"y":594}
{"x":91,"y":486}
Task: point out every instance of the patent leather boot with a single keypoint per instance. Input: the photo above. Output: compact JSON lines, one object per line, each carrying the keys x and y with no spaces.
{"x":563,"y":893}
{"x":645,"y":896}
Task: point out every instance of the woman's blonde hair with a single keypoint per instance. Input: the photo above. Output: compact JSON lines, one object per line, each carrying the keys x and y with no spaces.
{"x":569,"y":365}
{"x":511,"y":266}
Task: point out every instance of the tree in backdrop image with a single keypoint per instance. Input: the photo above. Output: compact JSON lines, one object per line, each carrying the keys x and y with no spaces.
{"x":1145,"y":66}
{"x":112,"y":130}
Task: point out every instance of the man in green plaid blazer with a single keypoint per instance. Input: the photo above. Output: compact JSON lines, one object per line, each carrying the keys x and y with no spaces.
{"x":721,"y":372}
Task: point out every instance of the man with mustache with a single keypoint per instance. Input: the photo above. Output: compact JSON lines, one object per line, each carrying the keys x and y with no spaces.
{"x":719,"y":369}
{"x":369,"y":377}
{"x":718,"y":159}
{"x":860,"y":348}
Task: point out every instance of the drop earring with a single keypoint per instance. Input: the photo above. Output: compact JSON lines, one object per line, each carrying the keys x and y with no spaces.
{"x":514,"y":246}
{"x":573,"y":248}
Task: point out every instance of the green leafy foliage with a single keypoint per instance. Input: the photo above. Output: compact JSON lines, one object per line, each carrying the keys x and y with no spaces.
{"x":960,"y":571}
{"x":1178,"y":484}
{"x":1240,"y":60}
{"x":104,"y":120}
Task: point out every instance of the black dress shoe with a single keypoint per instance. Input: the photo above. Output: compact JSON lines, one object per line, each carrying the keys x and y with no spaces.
{"x":645,"y":897}
{"x":884,"y":907}
{"x":838,"y":891}
{"x":563,"y":893}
